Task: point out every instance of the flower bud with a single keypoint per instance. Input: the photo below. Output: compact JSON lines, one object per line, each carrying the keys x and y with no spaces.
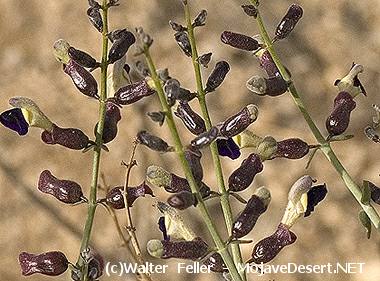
{"x":82,"y":58}
{"x":339,"y":119}
{"x":193,"y":157}
{"x":171,"y":89}
{"x":274,"y":86}
{"x":68,"y":137}
{"x":205,"y":138}
{"x":267,"y":148}
{"x":111,"y":119}
{"x":133,"y":93}
{"x":182,"y":200}
{"x":217,"y":76}
{"x":267,"y":63}
{"x":239,"y":122}
{"x":145,"y":38}
{"x":120,"y":47}
{"x":243,"y":176}
{"x":250,"y":10}
{"x":215,"y":263}
{"x":153,"y":142}
{"x":66,"y":191}
{"x":82,"y":79}
{"x":61,"y":51}
{"x":115,"y":198}
{"x":176,"y":26}
{"x":32,"y":114}
{"x":189,"y":250}
{"x":94,"y":4}
{"x":268,"y":248}
{"x":292,"y":148}
{"x":118,"y":34}
{"x":200,"y":19}
{"x":255,"y":207}
{"x":174,"y":224}
{"x":183,"y":41}
{"x":95,"y":18}
{"x":204,"y":59}
{"x":370,"y":133}
{"x":239,"y":41}
{"x":142,"y":69}
{"x":227,"y":147}
{"x":50,"y":263}
{"x":158,"y":117}
{"x":247,"y":139}
{"x":351,"y":83}
{"x":288,"y":22}
{"x":193,"y":122}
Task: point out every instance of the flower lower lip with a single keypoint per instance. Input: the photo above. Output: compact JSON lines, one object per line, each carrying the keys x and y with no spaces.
{"x":14,"y":120}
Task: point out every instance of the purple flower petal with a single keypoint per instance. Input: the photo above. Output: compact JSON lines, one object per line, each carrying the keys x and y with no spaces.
{"x":14,"y":120}
{"x":227,"y":147}
{"x":162,"y":227}
{"x":315,"y":195}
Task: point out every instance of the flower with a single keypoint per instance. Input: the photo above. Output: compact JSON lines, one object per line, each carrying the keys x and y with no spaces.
{"x":49,"y":263}
{"x":227,"y":147}
{"x":25,"y":114}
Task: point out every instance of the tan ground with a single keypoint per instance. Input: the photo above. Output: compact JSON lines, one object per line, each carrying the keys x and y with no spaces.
{"x":331,"y":35}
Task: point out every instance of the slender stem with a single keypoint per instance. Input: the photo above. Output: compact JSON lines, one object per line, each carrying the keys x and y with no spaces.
{"x":129,"y":222}
{"x":226,"y":207}
{"x":222,"y":249}
{"x":325,"y":147}
{"x":125,"y":242}
{"x":99,"y":141}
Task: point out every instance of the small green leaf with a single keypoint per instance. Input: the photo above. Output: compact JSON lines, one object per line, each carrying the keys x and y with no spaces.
{"x":366,"y":222}
{"x":366,"y":193}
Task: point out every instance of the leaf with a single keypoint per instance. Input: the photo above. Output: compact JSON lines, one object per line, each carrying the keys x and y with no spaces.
{"x":366,"y":193}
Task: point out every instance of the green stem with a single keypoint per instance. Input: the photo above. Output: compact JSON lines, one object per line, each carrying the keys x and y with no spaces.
{"x":99,"y":141}
{"x":325,"y":147}
{"x":226,"y":207}
{"x":222,"y":249}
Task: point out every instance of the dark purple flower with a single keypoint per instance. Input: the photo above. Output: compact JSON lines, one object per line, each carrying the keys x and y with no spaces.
{"x":68,"y":137}
{"x":66,"y":191}
{"x":256,"y":206}
{"x":227,"y":147}
{"x":243,"y":176}
{"x":49,"y":263}
{"x":115,"y":197}
{"x":133,"y":93}
{"x":239,"y":41}
{"x":217,"y":76}
{"x":112,"y":117}
{"x":189,"y":250}
{"x":267,"y":249}
{"x":15,"y":120}
{"x":82,"y":79}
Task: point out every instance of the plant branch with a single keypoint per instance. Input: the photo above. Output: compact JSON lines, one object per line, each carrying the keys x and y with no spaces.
{"x":99,"y":141}
{"x":222,"y":248}
{"x":129,"y":222}
{"x":224,"y":198}
{"x":325,"y":146}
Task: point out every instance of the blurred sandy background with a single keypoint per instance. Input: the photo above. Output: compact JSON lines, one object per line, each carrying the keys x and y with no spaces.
{"x":331,"y":35}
